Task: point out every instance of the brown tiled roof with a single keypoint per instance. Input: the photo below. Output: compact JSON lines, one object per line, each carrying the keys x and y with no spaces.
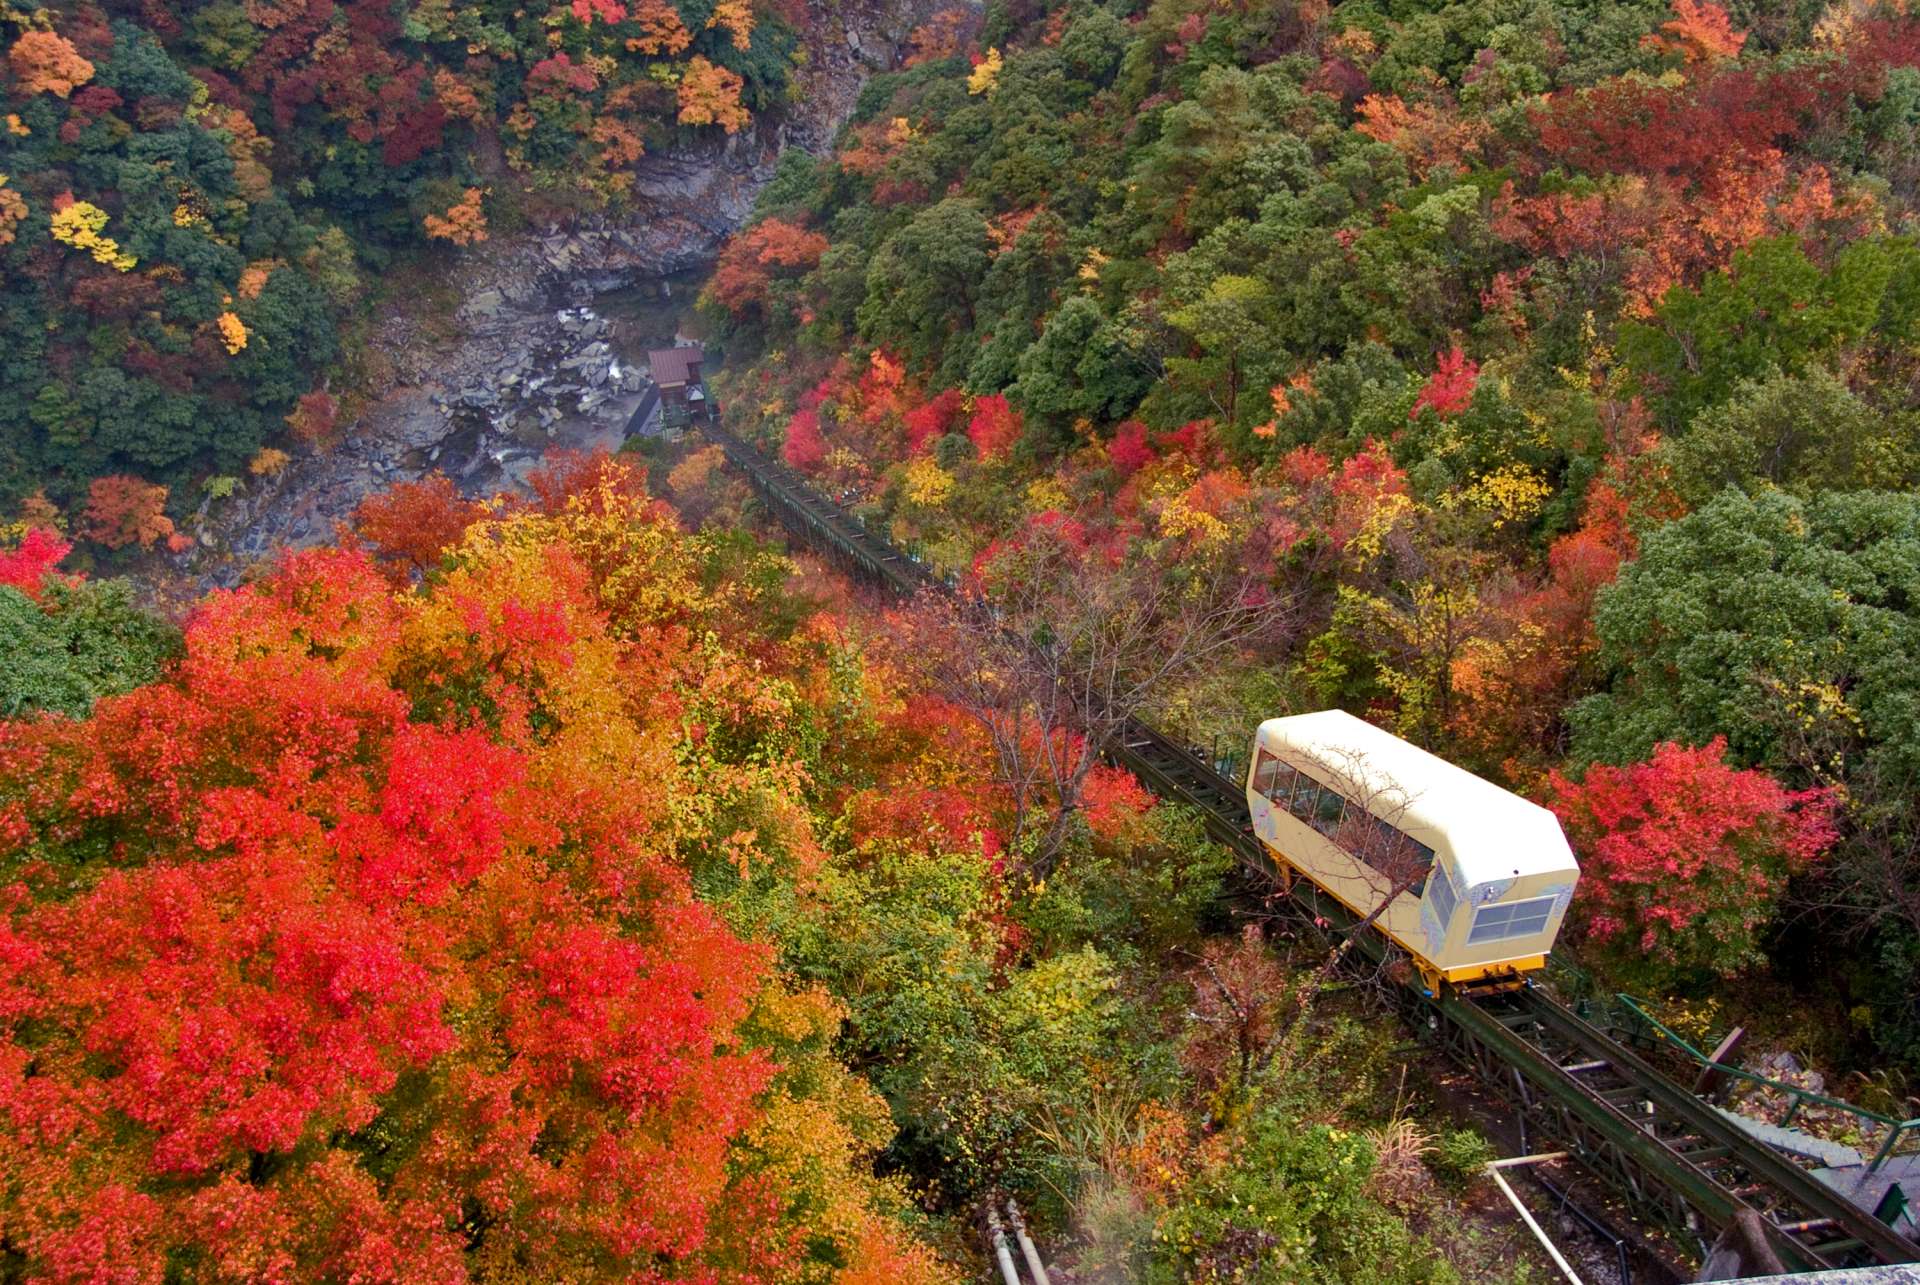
{"x":671,"y":365}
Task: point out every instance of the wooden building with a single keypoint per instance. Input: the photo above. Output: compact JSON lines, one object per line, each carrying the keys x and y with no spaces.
{"x":677,"y":373}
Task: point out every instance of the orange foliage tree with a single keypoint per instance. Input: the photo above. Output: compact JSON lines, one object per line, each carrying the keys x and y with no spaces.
{"x":46,"y":62}
{"x":744,"y":272}
{"x":363,"y":944}
{"x":409,"y":527}
{"x":710,"y":95}
{"x":1700,"y":32}
{"x":464,"y":223}
{"x":124,"y":510}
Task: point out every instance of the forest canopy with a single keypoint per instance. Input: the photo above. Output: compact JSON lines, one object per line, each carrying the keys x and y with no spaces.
{"x":195,"y":201}
{"x":1558,"y":359}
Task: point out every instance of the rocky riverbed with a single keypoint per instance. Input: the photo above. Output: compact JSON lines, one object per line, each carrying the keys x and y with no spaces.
{"x":527,"y":362}
{"x":525,"y":369}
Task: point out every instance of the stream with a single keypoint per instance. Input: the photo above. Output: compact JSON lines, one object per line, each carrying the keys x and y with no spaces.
{"x":534,"y":365}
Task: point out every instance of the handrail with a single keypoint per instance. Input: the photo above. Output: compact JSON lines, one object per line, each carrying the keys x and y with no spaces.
{"x":1800,"y":1097}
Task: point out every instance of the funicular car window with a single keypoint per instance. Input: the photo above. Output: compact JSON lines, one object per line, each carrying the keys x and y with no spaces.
{"x":1501,"y":921}
{"x":1306,"y":792}
{"x":1326,"y":811}
{"x":1399,"y":857}
{"x":1444,"y":898}
{"x":1279,"y":782}
{"x":1264,"y":769}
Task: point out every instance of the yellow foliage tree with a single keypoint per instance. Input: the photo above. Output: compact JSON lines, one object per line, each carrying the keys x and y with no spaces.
{"x":79,"y":225}
{"x":985,"y":74}
{"x":233,"y":332}
{"x":928,"y":485}
{"x":737,"y":17}
{"x":268,"y":462}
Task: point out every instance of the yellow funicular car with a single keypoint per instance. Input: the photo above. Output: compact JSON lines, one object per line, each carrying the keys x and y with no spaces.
{"x":1479,"y":878}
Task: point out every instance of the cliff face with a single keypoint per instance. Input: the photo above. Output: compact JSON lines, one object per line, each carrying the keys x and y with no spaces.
{"x":525,"y":364}
{"x":688,"y":202}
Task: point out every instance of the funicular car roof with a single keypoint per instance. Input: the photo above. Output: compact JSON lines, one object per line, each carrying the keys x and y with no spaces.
{"x":1490,"y":833}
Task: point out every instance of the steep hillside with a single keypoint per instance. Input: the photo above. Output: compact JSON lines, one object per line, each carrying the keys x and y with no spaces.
{"x":203,"y":203}
{"x":1556,"y":360}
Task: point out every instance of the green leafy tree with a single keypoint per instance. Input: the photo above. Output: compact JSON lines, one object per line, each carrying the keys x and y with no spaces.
{"x":1291,"y":1203}
{"x":1773,"y":308}
{"x":1789,"y":625}
{"x":1805,"y":432}
{"x":1080,"y":367}
{"x":1231,"y":326}
{"x":922,"y":283}
{"x":80,"y":642}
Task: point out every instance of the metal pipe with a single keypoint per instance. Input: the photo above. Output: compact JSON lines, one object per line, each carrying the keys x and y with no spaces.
{"x":1513,"y":1198}
{"x":998,"y":1238}
{"x":1027,"y":1248}
{"x":1592,"y":1224}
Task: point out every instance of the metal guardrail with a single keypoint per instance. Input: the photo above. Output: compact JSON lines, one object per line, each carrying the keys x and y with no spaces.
{"x":1798,"y":1097}
{"x":1671,"y":1155}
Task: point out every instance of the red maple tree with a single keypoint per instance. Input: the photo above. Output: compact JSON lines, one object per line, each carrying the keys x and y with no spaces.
{"x":805,"y":449}
{"x":1685,"y":856}
{"x":933,"y":418}
{"x":26,"y":566}
{"x":411,"y":526}
{"x":1449,"y":390}
{"x":360,"y":946}
{"x":995,"y":426}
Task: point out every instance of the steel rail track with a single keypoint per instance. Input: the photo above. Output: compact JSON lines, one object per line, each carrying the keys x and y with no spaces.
{"x":1675,"y":1158}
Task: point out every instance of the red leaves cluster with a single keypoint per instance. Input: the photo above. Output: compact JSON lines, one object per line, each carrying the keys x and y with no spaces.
{"x":1111,"y":798}
{"x":560,"y":76}
{"x":409,"y":527}
{"x":933,"y":418}
{"x":1366,"y":481}
{"x":995,"y":426}
{"x":608,"y":11}
{"x":313,"y":939}
{"x":1449,"y":390}
{"x":593,"y":479}
{"x":804,"y":448}
{"x":1685,"y":856}
{"x":1129,"y":450}
{"x":313,"y":417}
{"x":1634,"y":125}
{"x":26,"y":566}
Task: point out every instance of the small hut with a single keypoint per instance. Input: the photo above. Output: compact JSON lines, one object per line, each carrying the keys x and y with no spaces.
{"x":677,"y":372}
